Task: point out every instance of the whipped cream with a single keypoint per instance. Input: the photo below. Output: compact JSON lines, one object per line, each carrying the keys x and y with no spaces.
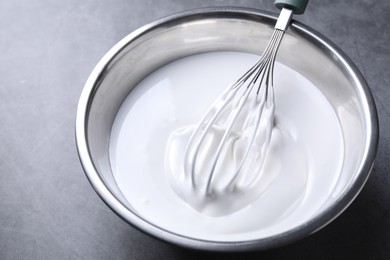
{"x":298,"y":176}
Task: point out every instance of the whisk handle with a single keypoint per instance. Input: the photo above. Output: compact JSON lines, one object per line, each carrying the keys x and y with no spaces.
{"x":298,"y":6}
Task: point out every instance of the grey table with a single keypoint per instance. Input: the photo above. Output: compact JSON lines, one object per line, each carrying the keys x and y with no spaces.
{"x":48,"y":210}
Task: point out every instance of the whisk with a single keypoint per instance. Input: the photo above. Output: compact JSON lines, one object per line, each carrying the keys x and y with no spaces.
{"x":227,"y":150}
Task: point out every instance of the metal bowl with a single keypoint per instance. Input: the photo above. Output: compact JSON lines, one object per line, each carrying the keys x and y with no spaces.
{"x":234,"y":29}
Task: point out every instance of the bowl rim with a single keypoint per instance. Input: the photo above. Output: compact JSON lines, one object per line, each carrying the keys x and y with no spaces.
{"x":303,"y":230}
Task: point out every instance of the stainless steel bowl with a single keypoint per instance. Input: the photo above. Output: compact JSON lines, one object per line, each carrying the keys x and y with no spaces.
{"x":216,"y":29}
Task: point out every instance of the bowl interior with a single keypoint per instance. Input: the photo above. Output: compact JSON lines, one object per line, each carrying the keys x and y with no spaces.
{"x":159,"y":43}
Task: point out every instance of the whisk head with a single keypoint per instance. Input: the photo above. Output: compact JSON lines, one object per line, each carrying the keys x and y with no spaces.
{"x":228,"y":147}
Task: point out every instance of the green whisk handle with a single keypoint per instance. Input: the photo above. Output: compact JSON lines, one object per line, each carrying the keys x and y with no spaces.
{"x":298,"y":6}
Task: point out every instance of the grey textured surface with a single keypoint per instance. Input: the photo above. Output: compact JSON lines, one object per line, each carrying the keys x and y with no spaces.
{"x":48,"y":210}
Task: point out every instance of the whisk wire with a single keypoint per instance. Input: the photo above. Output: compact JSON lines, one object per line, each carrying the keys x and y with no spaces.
{"x":269,"y":65}
{"x":262,"y":69}
{"x":259,"y":76}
